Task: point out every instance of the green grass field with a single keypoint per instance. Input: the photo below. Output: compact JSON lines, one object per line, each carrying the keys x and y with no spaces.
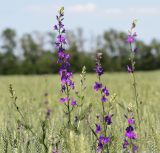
{"x":30,"y":91}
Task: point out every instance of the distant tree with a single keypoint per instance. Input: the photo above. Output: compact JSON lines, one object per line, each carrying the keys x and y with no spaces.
{"x":47,"y":64}
{"x":31,"y":53}
{"x":9,"y":42}
{"x":116,"y":48}
{"x":8,"y":60}
{"x":40,"y":55}
{"x":155,"y":45}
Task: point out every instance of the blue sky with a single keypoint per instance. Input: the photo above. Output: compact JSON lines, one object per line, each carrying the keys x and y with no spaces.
{"x":94,"y":16}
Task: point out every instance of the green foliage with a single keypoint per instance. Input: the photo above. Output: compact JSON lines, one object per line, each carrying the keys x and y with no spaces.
{"x":36,"y":53}
{"x":32,"y":132}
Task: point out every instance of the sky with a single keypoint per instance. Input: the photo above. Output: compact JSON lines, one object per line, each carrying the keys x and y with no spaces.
{"x":94,"y":16}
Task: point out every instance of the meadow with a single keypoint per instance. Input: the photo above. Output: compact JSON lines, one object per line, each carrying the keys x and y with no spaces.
{"x":88,"y":113}
{"x":32,"y":132}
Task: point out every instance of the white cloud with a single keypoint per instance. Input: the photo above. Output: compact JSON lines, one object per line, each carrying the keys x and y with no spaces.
{"x":92,"y":8}
{"x":145,"y":11}
{"x":123,"y":12}
{"x":82,"y":8}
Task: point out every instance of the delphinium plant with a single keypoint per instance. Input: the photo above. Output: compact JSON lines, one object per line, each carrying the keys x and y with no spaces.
{"x":103,"y":136}
{"x":67,"y":83}
{"x":68,"y":90}
{"x":131,"y":136}
{"x":131,"y":67}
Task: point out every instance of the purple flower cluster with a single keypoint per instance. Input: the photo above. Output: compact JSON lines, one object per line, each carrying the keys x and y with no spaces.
{"x":104,"y":91}
{"x":132,"y":35}
{"x":98,"y":128}
{"x":102,"y":141}
{"x":130,"y":136}
{"x":108,"y":119}
{"x":131,"y":38}
{"x":63,"y":59}
{"x":99,"y":70}
{"x":130,"y":133}
{"x":98,"y":85}
{"x":130,"y":69}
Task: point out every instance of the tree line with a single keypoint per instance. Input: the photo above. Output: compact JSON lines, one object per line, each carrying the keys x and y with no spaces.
{"x":36,"y":53}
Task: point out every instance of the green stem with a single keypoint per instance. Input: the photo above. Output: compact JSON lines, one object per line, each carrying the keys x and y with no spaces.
{"x":103,"y":115}
{"x":136,"y":98}
{"x":135,"y":84}
{"x":68,"y":107}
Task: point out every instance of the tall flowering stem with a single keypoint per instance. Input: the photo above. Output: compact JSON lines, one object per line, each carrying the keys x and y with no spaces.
{"x":131,"y":39}
{"x":80,"y":95}
{"x":105,"y":119}
{"x":131,"y":136}
{"x":65,"y":73}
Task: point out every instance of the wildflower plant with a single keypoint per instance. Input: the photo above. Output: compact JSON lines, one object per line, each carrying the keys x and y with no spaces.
{"x":67,"y":83}
{"x":105,"y":119}
{"x":131,"y":39}
{"x":81,"y":97}
{"x":130,"y":134}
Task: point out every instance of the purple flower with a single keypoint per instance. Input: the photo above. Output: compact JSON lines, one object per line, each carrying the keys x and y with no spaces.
{"x":100,"y":146}
{"x":105,"y":91}
{"x":131,"y":121}
{"x":135,"y":50}
{"x":125,"y":144}
{"x":104,"y":140}
{"x":131,"y":135}
{"x":103,"y":99}
{"x":61,"y":25}
{"x":55,"y":27}
{"x":135,"y":149}
{"x":98,"y":128}
{"x":130,"y":69}
{"x":130,"y":132}
{"x":97,"y":86}
{"x":99,"y":70}
{"x":57,"y":44}
{"x":73,"y":103}
{"x":63,"y":100}
{"x":71,"y":84}
{"x":108,"y":119}
{"x":129,"y":129}
{"x":131,"y":38}
{"x":65,"y":77}
{"x":67,"y":56}
{"x":61,"y":54}
{"x":61,"y":39}
{"x":48,"y":112}
{"x":63,"y":88}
